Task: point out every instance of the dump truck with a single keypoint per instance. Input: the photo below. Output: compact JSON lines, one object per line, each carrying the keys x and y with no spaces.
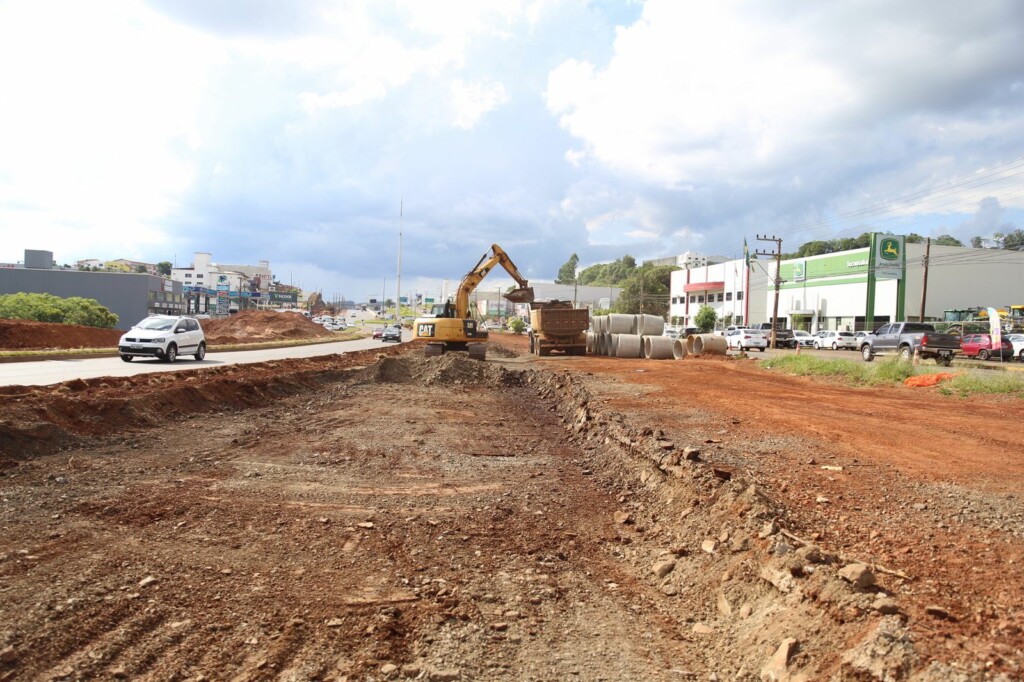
{"x":557,"y":326}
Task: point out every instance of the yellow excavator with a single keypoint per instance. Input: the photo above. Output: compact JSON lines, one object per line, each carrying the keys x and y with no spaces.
{"x":452,"y":327}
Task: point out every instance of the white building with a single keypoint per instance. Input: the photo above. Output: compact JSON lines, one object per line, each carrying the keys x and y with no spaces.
{"x":687,"y":260}
{"x":733,"y":291}
{"x":200,"y":282}
{"x":836,"y":291}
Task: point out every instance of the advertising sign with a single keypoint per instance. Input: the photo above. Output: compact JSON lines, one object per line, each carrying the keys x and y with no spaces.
{"x":799,"y":271}
{"x":995,"y":329}
{"x":223,"y":295}
{"x":889,"y":257}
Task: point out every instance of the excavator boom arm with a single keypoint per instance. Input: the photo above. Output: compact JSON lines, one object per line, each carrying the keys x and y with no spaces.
{"x":469,"y":283}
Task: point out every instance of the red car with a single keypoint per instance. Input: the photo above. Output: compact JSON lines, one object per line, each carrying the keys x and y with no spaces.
{"x":981,"y":346}
{"x":378,"y":332}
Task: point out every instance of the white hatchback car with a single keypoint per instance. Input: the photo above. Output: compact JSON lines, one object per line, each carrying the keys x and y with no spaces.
{"x":746,"y":339}
{"x":165,"y":337}
{"x":835,"y":340}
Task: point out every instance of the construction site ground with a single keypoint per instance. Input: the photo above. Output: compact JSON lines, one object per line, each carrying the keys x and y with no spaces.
{"x":380,"y":515}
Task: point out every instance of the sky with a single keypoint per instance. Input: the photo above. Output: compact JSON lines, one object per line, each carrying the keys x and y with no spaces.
{"x":313,"y":133}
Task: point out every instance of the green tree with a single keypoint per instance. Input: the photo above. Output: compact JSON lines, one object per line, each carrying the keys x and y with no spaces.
{"x":517,"y":325}
{"x":646,"y":290}
{"x":141,"y":269}
{"x":50,"y":308}
{"x":164,"y":268}
{"x":567,"y":273}
{"x":1014,"y":240}
{"x":948,"y":240}
{"x":705,"y":319}
{"x":914,"y":238}
{"x":976,"y":243}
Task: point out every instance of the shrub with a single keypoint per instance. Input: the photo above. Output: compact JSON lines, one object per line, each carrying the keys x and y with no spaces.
{"x":517,"y":325}
{"x":50,"y":308}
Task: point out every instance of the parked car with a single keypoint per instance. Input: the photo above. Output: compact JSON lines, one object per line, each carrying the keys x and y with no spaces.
{"x":860,"y":337}
{"x":165,"y":337}
{"x":982,"y":347}
{"x":906,"y":338}
{"x":803,"y":338}
{"x":391,"y":334}
{"x":746,"y":339}
{"x":835,"y":340}
{"x":378,"y":332}
{"x":1017,"y":340}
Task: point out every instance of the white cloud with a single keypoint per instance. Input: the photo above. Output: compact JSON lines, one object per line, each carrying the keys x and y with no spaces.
{"x":98,"y":120}
{"x":472,"y":101}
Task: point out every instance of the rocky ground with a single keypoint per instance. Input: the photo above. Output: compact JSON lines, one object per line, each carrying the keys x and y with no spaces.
{"x":379,"y":515}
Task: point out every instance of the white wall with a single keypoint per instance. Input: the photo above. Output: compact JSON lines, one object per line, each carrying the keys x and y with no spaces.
{"x":963,"y":278}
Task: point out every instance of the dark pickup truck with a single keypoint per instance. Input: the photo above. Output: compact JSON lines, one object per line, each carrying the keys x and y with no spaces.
{"x":906,"y":338}
{"x":783,"y":337}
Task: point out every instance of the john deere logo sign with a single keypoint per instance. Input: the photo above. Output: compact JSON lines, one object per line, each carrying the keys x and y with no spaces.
{"x":889,"y":249}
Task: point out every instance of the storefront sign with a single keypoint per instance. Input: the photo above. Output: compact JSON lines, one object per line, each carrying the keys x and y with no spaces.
{"x":889,"y":257}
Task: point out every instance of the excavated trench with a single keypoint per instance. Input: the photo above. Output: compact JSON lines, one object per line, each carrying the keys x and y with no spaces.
{"x":389,"y":516}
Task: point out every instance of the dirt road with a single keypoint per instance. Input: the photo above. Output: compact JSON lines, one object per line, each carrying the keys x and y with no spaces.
{"x":379,"y":515}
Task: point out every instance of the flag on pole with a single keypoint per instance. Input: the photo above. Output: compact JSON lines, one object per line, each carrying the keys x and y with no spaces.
{"x":746,"y":252}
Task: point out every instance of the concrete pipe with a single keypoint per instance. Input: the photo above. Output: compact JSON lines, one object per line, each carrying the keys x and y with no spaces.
{"x":712,"y":344}
{"x":679,"y":349}
{"x":628,"y":346}
{"x":595,"y":324}
{"x":689,"y":343}
{"x":620,"y":324}
{"x":606,"y":347}
{"x":590,"y":342}
{"x":598,"y":344}
{"x":635,"y":325}
{"x":650,"y":325}
{"x":658,"y":347}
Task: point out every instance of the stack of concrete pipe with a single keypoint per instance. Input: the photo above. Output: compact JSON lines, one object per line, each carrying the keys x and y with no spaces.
{"x":640,"y":336}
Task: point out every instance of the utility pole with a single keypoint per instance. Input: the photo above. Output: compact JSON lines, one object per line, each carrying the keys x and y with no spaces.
{"x":398,"y":284}
{"x":778,"y":278}
{"x":924,"y":284}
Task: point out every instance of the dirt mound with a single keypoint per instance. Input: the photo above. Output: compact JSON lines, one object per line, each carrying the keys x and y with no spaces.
{"x":26,"y":335}
{"x":250,"y":326}
{"x":449,"y":369}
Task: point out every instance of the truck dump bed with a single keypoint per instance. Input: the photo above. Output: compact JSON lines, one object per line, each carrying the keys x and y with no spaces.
{"x":559,"y":321}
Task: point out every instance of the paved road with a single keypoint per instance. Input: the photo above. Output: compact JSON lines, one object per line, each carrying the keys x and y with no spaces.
{"x":46,"y":372}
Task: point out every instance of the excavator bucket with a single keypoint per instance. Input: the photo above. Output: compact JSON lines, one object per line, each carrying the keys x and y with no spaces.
{"x":520,"y":295}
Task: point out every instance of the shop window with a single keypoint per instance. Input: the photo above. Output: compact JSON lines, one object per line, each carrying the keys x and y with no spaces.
{"x":739,"y":295}
{"x":719,"y":299}
{"x":693,"y":298}
{"x":700,"y":298}
{"x":728,"y":295}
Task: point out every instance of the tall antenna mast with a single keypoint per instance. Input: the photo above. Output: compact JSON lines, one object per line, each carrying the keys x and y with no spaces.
{"x":398,"y":284}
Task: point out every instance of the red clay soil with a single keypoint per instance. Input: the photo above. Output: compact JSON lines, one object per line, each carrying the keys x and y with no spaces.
{"x":248,"y":326}
{"x":922,"y":484}
{"x":254,"y":326}
{"x":25,"y":335}
{"x":922,"y":487}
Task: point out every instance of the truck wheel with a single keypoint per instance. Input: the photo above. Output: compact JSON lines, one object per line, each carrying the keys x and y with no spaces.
{"x":865,"y":352}
{"x":983,"y":354}
{"x":906,"y":353}
{"x":943,"y":361}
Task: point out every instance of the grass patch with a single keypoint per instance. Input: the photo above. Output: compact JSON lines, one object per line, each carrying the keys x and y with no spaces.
{"x":963,"y":385}
{"x":893,"y":371}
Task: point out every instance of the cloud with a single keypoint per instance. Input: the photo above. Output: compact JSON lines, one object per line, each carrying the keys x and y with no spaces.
{"x":472,"y":101}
